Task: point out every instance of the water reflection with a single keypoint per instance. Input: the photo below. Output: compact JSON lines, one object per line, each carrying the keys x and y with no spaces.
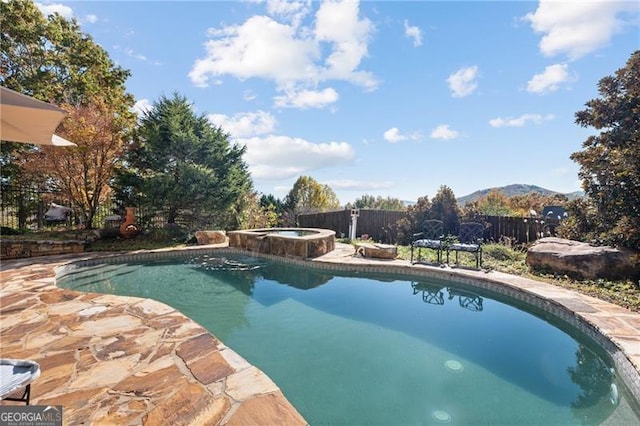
{"x":434,"y":295}
{"x":596,"y":382}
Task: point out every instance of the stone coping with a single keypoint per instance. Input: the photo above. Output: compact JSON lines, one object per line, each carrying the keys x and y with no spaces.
{"x":313,"y":233}
{"x":124,"y":360}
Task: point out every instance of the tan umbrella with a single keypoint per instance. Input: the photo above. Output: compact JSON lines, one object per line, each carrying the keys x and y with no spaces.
{"x":28,"y":120}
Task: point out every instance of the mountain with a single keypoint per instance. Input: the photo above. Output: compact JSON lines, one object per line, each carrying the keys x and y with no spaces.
{"x":515,"y":189}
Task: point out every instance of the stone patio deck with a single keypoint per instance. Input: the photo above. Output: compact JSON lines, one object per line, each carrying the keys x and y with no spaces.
{"x":123,"y":360}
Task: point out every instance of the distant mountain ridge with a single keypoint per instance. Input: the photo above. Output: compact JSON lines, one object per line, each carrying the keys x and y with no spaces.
{"x":515,"y":189}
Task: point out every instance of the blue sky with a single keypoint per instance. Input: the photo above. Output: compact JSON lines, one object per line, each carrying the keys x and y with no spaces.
{"x":390,"y":99}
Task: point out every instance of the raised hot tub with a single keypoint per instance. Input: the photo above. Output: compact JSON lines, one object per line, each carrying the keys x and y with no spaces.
{"x":289,"y":242}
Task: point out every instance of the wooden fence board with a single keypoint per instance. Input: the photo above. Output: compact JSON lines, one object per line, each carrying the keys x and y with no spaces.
{"x":377,"y":225}
{"x":374,"y":223}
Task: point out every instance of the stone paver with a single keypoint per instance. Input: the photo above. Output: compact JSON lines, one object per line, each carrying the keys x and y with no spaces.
{"x":123,"y":360}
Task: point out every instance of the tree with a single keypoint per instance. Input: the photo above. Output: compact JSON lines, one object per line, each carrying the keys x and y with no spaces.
{"x":416,"y":215}
{"x":84,"y":172}
{"x":52,"y":60}
{"x":610,"y":161}
{"x":444,"y":207}
{"x":309,"y":196}
{"x":252,"y":214}
{"x":523,"y":205}
{"x":495,"y":203}
{"x":371,"y":202}
{"x":181,"y":163}
{"x":273,"y":204}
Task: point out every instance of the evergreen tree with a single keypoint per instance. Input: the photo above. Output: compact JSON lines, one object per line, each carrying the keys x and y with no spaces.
{"x":181,"y":163}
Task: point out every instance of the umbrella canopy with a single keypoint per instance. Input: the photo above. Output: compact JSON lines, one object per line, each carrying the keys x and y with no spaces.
{"x":29,"y":120}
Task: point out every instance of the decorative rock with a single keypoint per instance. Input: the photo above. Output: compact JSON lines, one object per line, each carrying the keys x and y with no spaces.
{"x":380,"y":251}
{"x":18,"y":249}
{"x":211,"y":237}
{"x":582,"y":260}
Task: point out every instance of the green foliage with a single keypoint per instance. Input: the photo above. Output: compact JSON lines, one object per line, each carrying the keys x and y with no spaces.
{"x":445,"y":208}
{"x":497,"y":203}
{"x":253,"y":214}
{"x":52,"y":60}
{"x":416,"y":215}
{"x":610,"y":161}
{"x":182,"y":164}
{"x":371,"y":202}
{"x":309,"y":196}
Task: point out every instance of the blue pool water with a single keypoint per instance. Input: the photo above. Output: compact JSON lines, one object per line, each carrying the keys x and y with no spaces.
{"x":351,"y":348}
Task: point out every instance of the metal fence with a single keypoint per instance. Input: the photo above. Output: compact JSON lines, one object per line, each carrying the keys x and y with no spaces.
{"x":24,"y":208}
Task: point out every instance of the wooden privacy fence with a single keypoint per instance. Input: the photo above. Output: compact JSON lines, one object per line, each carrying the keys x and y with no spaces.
{"x":521,"y":230}
{"x":374,"y":223}
{"x":378,"y":225}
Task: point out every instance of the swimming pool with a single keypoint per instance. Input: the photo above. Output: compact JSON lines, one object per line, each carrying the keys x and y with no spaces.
{"x":356,"y":348}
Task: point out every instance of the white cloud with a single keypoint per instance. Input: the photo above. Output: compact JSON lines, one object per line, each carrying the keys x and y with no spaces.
{"x":444,"y":132}
{"x":413,"y":33}
{"x":549,"y":80}
{"x":463,"y":82}
{"x":50,"y":9}
{"x":280,"y":157}
{"x":393,"y":135}
{"x":577,"y":28}
{"x":245,"y":124}
{"x":338,"y":24}
{"x":292,"y":11}
{"x":307,"y":98}
{"x":249,"y":95}
{"x":138,"y":56}
{"x":296,"y":58}
{"x":520,"y":121}
{"x":64,"y":11}
{"x":142,"y":106}
{"x":260,"y":47}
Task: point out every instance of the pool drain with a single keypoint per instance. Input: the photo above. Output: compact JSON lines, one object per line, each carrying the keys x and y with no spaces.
{"x":454,"y":366}
{"x":441,"y":416}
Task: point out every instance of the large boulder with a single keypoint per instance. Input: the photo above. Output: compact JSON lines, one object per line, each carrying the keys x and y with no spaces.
{"x":582,"y":260}
{"x":211,"y":237}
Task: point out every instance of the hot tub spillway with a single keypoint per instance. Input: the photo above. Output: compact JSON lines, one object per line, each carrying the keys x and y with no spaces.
{"x":288,"y":242}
